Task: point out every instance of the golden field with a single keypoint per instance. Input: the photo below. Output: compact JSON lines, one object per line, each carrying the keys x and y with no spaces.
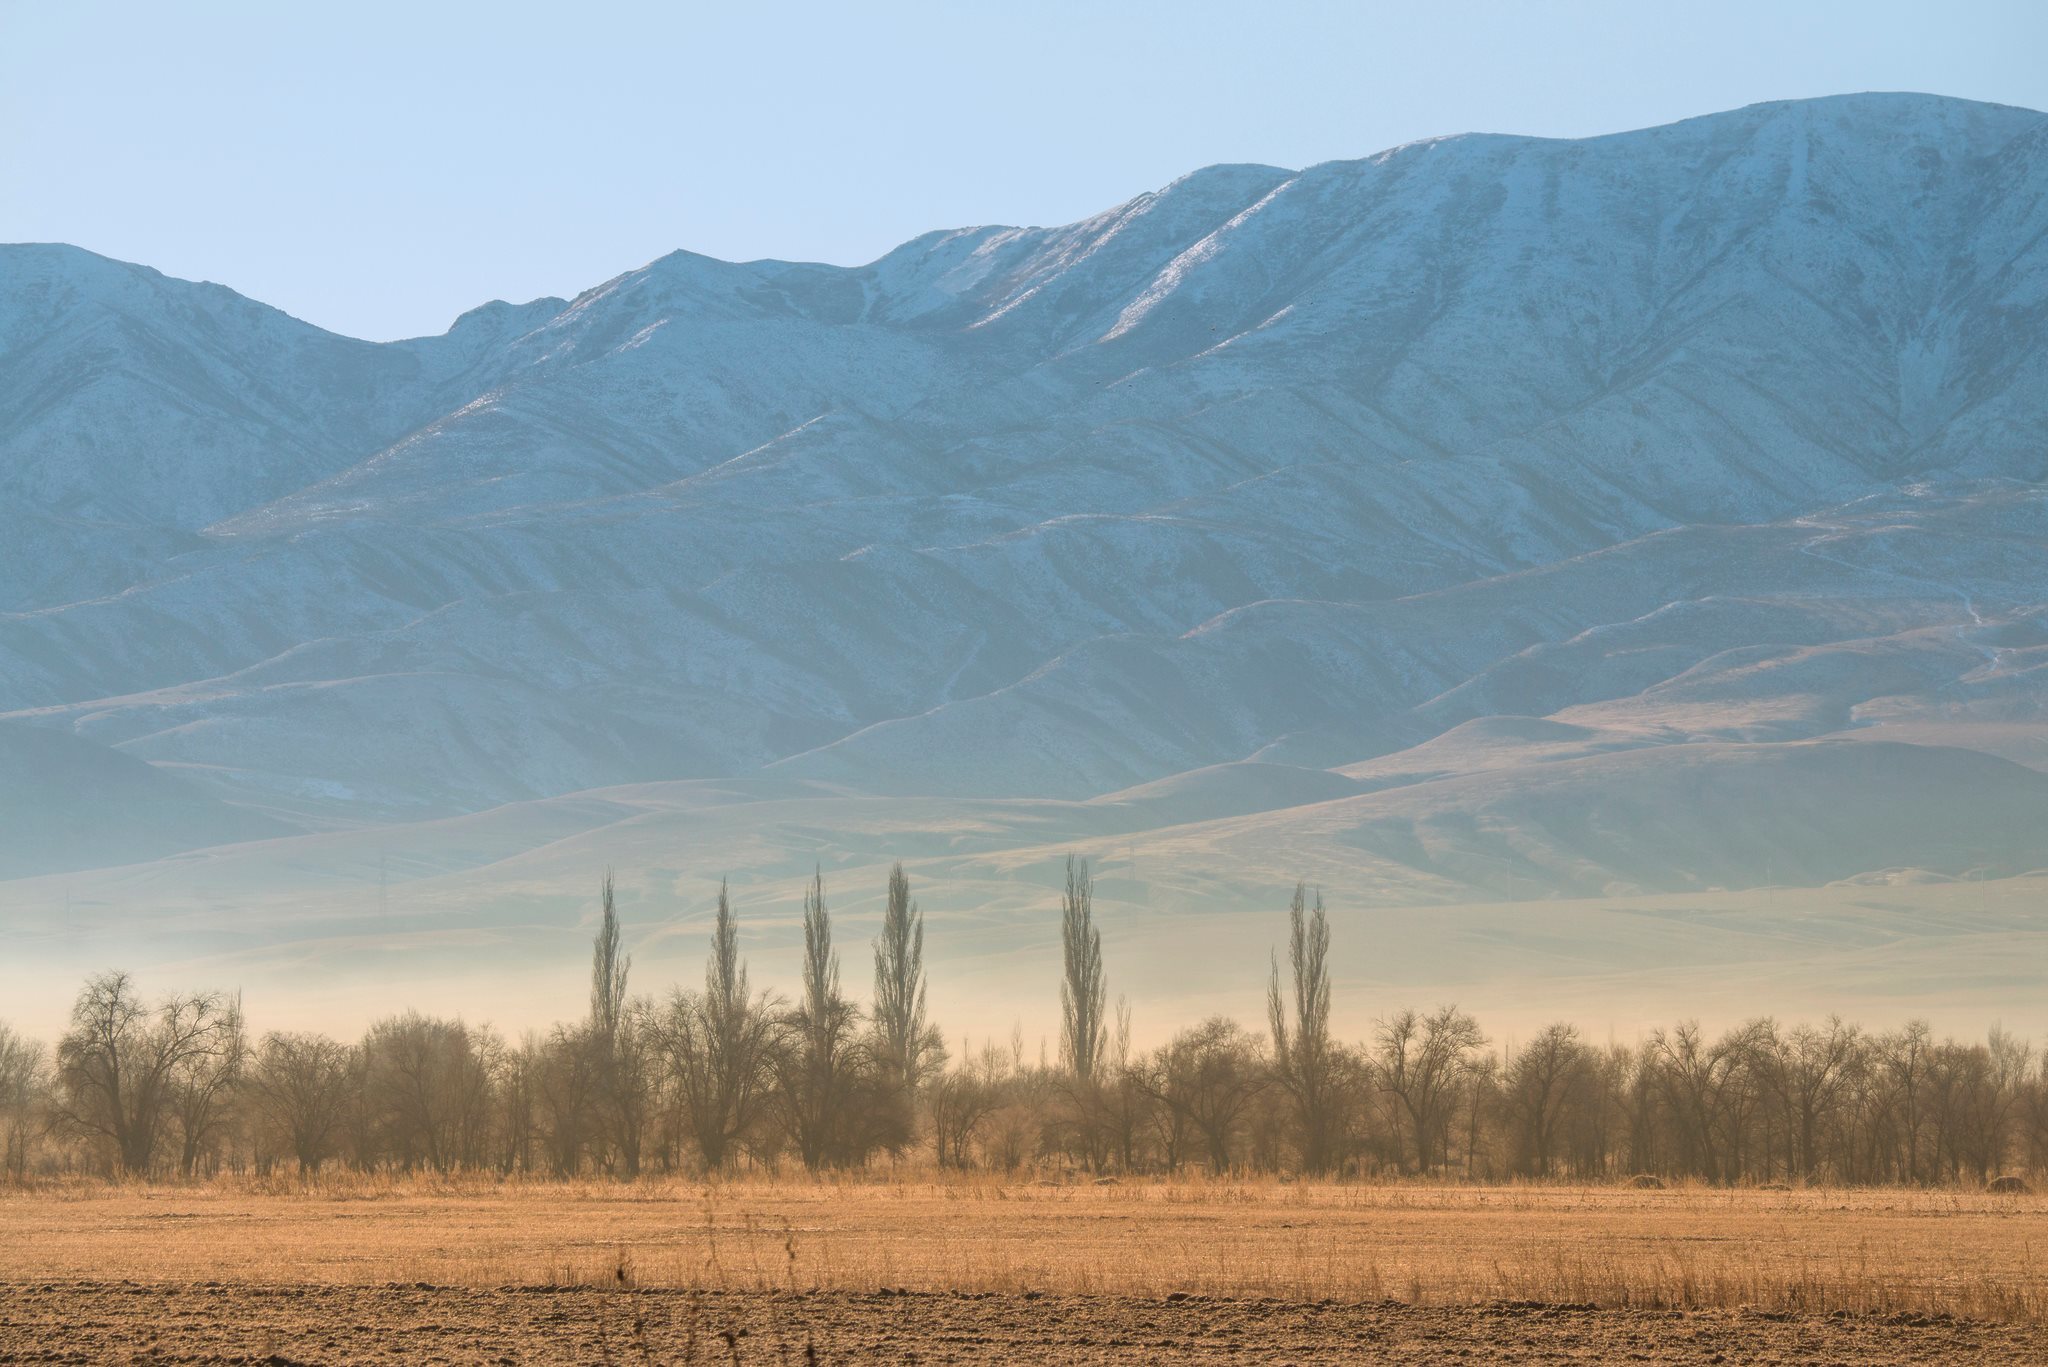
{"x":1813,"y":1251}
{"x":974,"y":1269}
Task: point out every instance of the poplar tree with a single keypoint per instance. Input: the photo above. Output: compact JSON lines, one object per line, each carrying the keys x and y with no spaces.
{"x":1084,"y":1034}
{"x":818,"y":1073}
{"x":719,"y":1046}
{"x":1303,"y":1059}
{"x":910,"y":1049}
{"x":608,"y":969}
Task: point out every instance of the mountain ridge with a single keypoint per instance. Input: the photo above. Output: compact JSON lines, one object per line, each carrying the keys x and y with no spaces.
{"x":1725,"y":431}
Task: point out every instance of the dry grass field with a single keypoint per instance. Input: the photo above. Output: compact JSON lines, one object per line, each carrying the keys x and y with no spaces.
{"x":970,"y":1270}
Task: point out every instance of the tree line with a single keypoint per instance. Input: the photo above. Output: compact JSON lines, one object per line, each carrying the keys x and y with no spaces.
{"x":729,"y":1076}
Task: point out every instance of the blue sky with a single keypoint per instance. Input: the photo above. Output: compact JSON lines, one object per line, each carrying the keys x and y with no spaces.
{"x":378,"y":168}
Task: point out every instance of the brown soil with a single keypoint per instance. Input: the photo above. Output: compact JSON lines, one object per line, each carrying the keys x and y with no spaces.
{"x":221,"y":1322}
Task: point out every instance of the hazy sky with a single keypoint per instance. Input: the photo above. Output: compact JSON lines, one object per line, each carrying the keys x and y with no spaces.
{"x":379,"y":168}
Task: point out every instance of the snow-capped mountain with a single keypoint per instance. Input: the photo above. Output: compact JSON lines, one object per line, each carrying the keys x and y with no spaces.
{"x":1521,"y":516}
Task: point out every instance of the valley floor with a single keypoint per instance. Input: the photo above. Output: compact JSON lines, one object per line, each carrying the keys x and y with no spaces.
{"x":973,"y":1269}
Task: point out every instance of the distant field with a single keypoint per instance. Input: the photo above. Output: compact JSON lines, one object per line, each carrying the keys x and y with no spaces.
{"x":1159,"y":1269}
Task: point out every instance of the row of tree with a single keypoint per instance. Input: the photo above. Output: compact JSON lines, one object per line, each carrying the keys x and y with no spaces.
{"x":730,"y":1076}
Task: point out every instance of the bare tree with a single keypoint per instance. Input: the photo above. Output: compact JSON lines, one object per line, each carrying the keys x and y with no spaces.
{"x":22,"y":1080}
{"x":566,"y":1090}
{"x":120,"y":1063}
{"x":2034,"y":1116}
{"x":1903,"y":1060}
{"x":1123,"y":1099}
{"x":1304,"y":1059}
{"x":1541,"y":1083}
{"x":300,"y":1085}
{"x":519,"y":1084}
{"x":1420,"y":1060}
{"x":1698,"y":1079}
{"x":1210,"y":1076}
{"x":428,"y":1090}
{"x":963,"y":1099}
{"x":2008,"y":1076}
{"x":1811,"y":1072}
{"x":203,"y":1086}
{"x":630,"y":1097}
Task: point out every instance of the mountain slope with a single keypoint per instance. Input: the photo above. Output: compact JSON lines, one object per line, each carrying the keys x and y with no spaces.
{"x":69,"y":804}
{"x":1725,"y":433}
